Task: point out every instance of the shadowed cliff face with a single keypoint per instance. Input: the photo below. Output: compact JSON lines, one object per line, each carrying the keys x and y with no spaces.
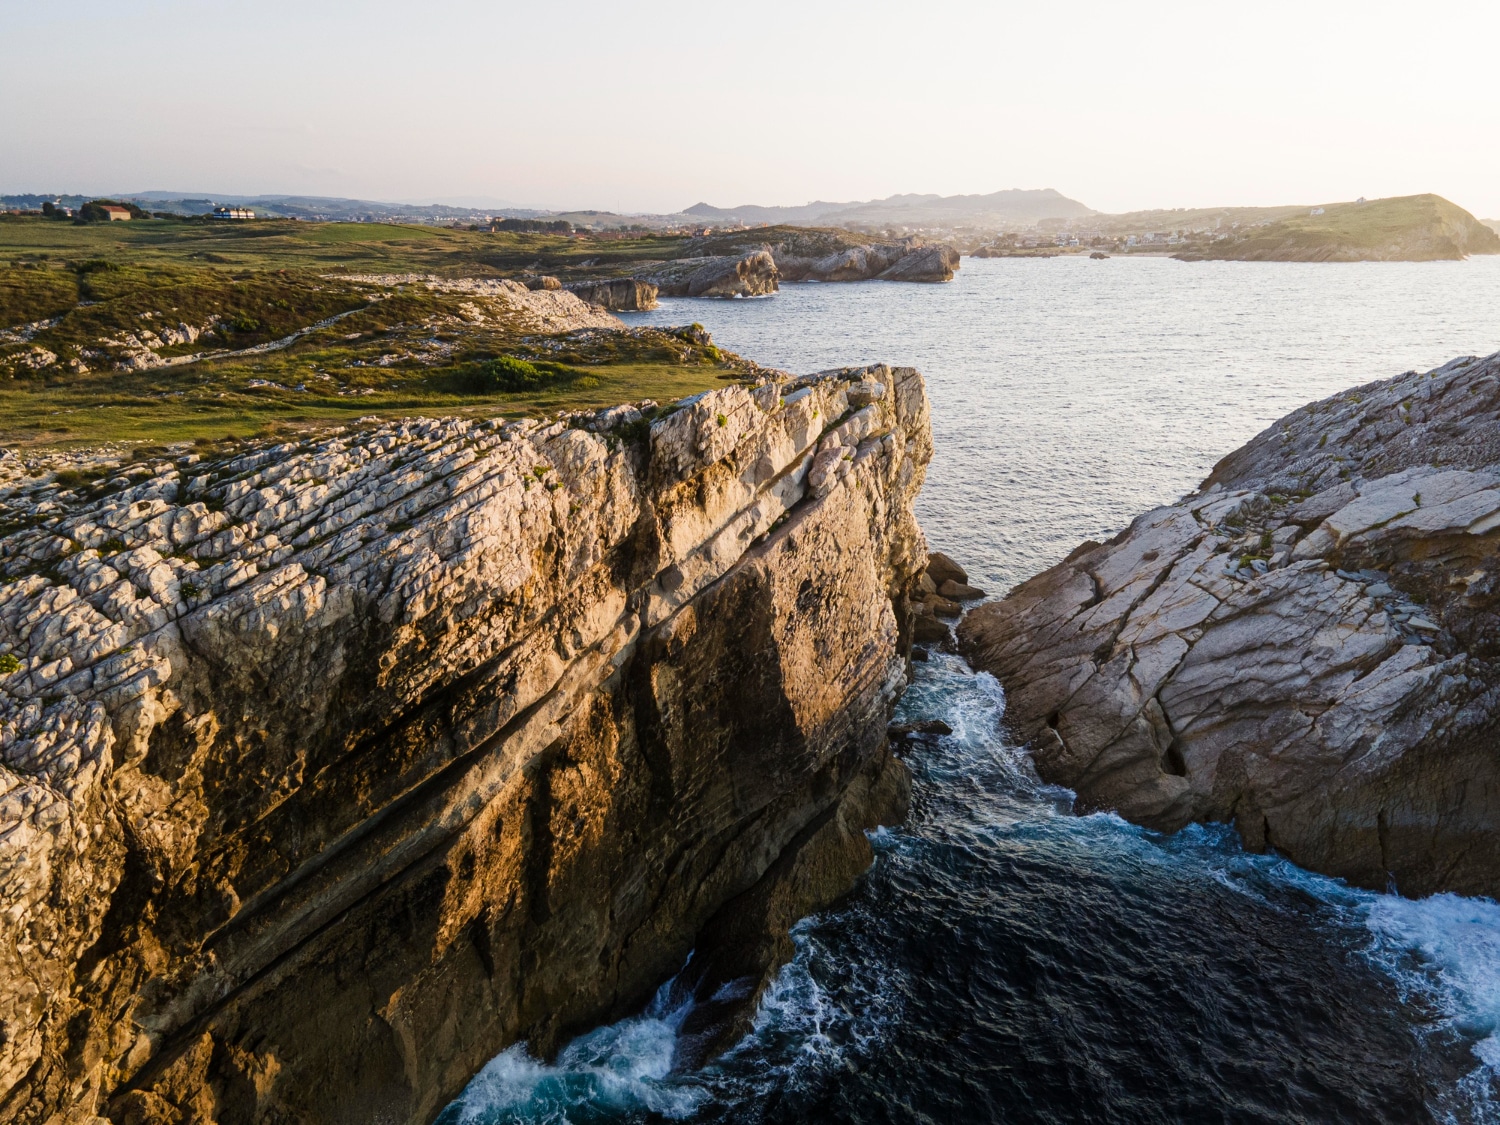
{"x":1309,"y":647}
{"x":328,"y":771}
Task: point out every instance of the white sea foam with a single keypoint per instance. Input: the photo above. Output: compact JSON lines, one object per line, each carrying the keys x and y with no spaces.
{"x":822,"y":1015}
{"x":617,"y":1068}
{"x":1443,"y":952}
{"x":1446,"y":948}
{"x":1454,"y":941}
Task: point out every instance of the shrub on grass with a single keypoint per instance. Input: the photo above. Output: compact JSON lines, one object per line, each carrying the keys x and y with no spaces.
{"x":508,"y":375}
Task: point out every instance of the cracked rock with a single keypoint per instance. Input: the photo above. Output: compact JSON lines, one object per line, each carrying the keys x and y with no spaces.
{"x":1338,"y":700}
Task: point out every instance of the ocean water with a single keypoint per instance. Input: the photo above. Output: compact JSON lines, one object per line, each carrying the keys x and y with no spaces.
{"x":1005,"y":959}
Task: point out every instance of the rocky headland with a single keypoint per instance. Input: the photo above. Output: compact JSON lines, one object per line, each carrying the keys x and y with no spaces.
{"x":1308,"y":646}
{"x":754,"y":263}
{"x":330,"y":768}
{"x":1412,"y":228}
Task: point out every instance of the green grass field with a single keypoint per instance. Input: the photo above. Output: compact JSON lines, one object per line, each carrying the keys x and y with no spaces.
{"x":287,"y":244}
{"x":80,"y":306}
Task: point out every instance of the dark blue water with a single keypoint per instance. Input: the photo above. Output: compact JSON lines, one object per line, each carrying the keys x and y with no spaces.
{"x":1004,"y":959}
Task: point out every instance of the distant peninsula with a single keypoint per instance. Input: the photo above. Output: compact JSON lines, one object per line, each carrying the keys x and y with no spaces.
{"x":1410,"y":228}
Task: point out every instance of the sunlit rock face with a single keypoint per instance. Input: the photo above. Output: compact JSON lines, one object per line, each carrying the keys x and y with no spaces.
{"x":329,"y":769}
{"x":1309,"y":646}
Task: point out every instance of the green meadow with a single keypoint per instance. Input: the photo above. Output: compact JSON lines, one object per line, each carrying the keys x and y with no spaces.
{"x":73,"y":297}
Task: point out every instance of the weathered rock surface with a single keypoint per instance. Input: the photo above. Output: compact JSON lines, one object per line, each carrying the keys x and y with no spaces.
{"x":617,"y":294}
{"x":904,"y":260}
{"x":543,"y":309}
{"x":750,"y":275}
{"x":329,"y":770}
{"x":1308,"y":647}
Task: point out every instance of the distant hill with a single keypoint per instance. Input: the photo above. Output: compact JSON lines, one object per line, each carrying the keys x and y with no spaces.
{"x":1013,"y":207}
{"x":1493,"y":224}
{"x":1409,"y":228}
{"x":751,"y":214}
{"x":314,"y":207}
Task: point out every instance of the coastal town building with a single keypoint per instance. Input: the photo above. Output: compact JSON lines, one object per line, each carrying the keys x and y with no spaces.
{"x":233,"y":213}
{"x":116,"y":214}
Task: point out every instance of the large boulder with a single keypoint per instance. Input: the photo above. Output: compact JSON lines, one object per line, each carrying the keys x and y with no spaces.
{"x":1308,"y":647}
{"x":749,"y":275}
{"x":902,"y":260}
{"x":925,"y":263}
{"x":617,"y":294}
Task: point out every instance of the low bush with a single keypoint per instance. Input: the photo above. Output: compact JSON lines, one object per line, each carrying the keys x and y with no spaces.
{"x":508,"y":375}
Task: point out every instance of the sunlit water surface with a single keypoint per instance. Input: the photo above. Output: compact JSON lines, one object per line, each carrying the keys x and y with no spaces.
{"x":1006,"y":960}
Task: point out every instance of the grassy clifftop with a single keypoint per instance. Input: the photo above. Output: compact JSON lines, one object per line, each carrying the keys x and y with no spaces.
{"x":1411,"y":228}
{"x":141,"y":334}
{"x":361,"y":247}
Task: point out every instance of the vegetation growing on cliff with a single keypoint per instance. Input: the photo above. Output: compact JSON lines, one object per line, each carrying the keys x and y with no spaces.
{"x":150,"y":349}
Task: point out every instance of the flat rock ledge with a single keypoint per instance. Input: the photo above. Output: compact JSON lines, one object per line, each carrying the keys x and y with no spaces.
{"x":330,"y":769}
{"x":1308,"y":647}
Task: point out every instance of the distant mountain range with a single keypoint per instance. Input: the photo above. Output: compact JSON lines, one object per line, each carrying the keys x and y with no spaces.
{"x":1000,"y":208}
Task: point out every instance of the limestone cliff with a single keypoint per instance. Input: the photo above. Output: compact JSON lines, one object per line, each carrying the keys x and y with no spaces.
{"x":329,"y":769}
{"x":1309,"y":646}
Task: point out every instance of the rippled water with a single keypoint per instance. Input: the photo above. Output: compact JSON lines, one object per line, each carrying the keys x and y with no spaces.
{"x":1006,"y":960}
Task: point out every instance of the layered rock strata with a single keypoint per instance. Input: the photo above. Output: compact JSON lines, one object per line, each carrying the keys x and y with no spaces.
{"x":329,"y":769}
{"x":1309,"y":646}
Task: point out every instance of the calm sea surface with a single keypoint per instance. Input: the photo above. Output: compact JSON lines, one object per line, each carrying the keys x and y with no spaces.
{"x":1006,"y":960}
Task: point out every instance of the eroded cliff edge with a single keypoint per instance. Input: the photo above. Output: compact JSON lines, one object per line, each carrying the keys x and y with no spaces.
{"x":329,"y":769}
{"x":1309,"y":646}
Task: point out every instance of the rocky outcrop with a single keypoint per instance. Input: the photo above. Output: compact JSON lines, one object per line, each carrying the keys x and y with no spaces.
{"x":329,"y":769}
{"x":1308,"y":647}
{"x":617,"y":294}
{"x":542,"y":309}
{"x":750,"y":264}
{"x":936,"y":598}
{"x":729,"y":275}
{"x":905,"y":260}
{"x":925,"y":263}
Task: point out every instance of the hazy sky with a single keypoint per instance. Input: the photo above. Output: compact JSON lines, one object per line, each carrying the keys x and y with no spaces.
{"x":631,"y":106}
